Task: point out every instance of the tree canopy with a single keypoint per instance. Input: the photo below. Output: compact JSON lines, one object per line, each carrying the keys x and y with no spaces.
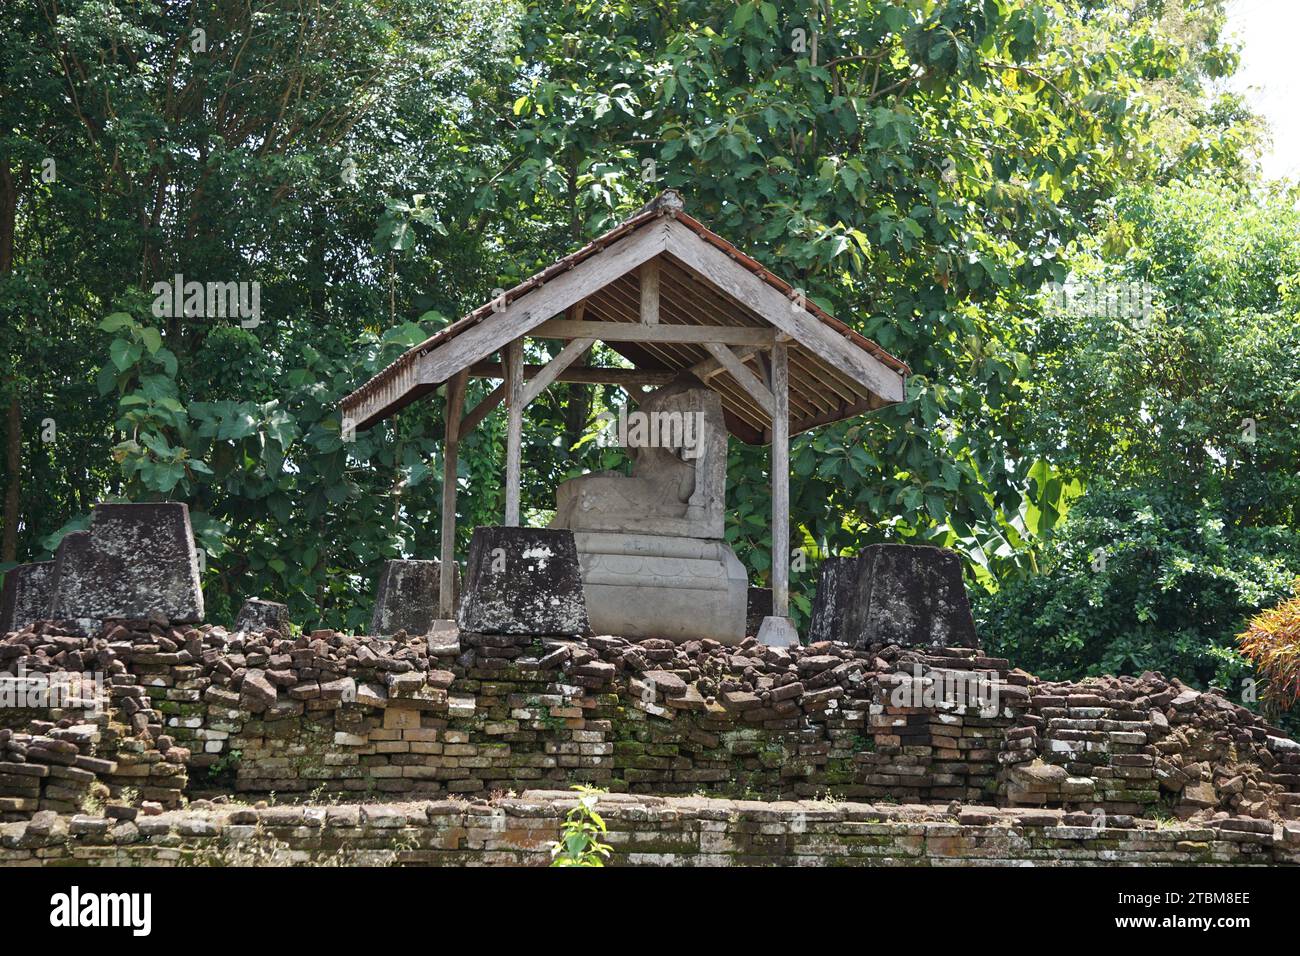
{"x":920,"y":168}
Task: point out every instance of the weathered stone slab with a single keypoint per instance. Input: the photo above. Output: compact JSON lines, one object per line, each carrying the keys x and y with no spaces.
{"x":523,"y":581}
{"x":135,"y":560}
{"x":26,"y":595}
{"x":407,"y":598}
{"x":899,"y":593}
{"x":259,"y":615}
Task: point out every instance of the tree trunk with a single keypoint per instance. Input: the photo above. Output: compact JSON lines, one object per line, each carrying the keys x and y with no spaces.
{"x":13,"y":464}
{"x":14,"y":434}
{"x":8,"y":217}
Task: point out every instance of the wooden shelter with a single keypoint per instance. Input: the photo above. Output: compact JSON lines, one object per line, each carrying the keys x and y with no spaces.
{"x":668,"y":295}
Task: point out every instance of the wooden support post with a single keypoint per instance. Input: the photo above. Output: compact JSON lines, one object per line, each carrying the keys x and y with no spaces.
{"x":781,"y":483}
{"x":514,"y":359}
{"x":450,"y":454}
{"x":649,"y":273}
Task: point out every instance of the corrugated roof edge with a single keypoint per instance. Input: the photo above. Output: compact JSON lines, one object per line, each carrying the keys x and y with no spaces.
{"x":667,"y":203}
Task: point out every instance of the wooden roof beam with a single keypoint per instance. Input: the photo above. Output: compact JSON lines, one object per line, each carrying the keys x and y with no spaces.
{"x":524,"y":314}
{"x":803,"y":326}
{"x":637,"y":332}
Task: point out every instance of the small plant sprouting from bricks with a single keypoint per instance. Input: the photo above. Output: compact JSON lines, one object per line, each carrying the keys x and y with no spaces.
{"x":226,"y":766}
{"x":579,"y":843}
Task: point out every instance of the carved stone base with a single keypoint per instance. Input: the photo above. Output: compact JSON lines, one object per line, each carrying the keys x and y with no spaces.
{"x":646,"y":585}
{"x":136,"y":560}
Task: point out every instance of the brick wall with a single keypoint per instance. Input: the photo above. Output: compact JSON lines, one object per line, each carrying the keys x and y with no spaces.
{"x":197,"y":711}
{"x":643,"y":830}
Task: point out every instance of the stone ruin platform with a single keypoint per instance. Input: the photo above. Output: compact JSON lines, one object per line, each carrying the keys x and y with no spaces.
{"x":199,"y":712}
{"x":510,"y":830}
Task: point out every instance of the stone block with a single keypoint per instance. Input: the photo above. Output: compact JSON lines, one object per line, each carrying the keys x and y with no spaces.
{"x":897,"y":593}
{"x":136,"y":560}
{"x":777,"y":632}
{"x":523,"y":581}
{"x":26,"y":595}
{"x":259,"y":615}
{"x":408,"y":597}
{"x":656,"y":586}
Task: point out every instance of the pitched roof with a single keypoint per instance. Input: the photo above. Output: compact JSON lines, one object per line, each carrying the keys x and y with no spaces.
{"x":834,"y":371}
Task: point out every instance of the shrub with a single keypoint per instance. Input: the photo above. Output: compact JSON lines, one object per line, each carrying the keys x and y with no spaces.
{"x":1272,"y":643}
{"x":1135,"y":581}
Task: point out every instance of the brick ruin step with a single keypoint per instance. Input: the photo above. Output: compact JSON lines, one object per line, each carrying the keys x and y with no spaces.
{"x":198,"y":709}
{"x":642,"y":831}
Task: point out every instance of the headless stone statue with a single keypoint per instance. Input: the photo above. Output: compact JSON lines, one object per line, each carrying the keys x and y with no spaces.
{"x":654,"y":562}
{"x":678,"y":443}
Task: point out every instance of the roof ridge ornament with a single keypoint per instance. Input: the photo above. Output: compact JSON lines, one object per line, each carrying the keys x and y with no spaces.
{"x":669,"y":202}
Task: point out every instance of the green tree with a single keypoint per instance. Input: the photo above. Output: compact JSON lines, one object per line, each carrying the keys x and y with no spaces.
{"x":1182,"y":422}
{"x":916,"y":168}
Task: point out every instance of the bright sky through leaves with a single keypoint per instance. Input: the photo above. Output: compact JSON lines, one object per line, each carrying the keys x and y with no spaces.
{"x":1268,"y":31}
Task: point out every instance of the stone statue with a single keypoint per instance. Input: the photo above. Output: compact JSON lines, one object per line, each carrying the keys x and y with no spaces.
{"x":654,"y":562}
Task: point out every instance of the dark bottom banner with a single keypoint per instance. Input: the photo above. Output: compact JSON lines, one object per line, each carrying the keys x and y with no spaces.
{"x":330,"y":905}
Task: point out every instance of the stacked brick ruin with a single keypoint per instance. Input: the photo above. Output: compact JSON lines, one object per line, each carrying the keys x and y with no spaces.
{"x":195,"y":710}
{"x":1123,"y":742}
